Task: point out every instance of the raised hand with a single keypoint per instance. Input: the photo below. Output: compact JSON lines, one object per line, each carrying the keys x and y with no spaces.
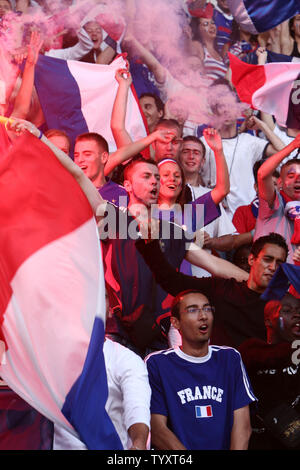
{"x":164,"y":135}
{"x":213,"y":139}
{"x":262,"y":55}
{"x":123,"y":76}
{"x":19,"y":126}
{"x":296,"y":141}
{"x":34,"y":47}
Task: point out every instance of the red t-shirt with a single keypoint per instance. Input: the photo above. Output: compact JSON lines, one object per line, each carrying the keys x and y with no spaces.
{"x":243,"y":219}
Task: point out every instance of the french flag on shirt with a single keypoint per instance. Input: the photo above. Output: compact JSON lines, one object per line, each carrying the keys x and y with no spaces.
{"x":52,"y":296}
{"x":273,"y":88}
{"x":78,"y":97}
{"x":204,"y":411}
{"x":257,"y":16}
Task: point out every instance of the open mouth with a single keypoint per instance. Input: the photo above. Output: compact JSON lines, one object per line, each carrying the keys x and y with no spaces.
{"x":203,"y":329}
{"x":296,"y":328}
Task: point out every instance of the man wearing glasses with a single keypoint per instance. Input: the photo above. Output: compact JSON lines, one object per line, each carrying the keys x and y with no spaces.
{"x":200,"y":393}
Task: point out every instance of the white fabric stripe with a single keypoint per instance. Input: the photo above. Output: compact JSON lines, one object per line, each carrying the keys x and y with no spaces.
{"x":241,"y":15}
{"x":276,"y":74}
{"x":246,"y":382}
{"x":48,"y":322}
{"x":245,"y":379}
{"x":98,"y":88}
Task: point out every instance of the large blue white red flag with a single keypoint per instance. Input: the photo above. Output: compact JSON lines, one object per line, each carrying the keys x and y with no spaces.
{"x":78,"y":97}
{"x":257,"y":16}
{"x":273,"y":88}
{"x":52,"y":296}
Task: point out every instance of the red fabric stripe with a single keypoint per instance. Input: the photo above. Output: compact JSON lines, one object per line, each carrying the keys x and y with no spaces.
{"x":40,"y":202}
{"x":208,"y":409}
{"x":224,"y":29}
{"x":246,"y":78}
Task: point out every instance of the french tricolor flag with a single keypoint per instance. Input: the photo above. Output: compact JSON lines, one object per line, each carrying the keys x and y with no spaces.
{"x":52,"y":296}
{"x":204,"y":411}
{"x":273,"y":88}
{"x":257,"y":16}
{"x":78,"y":97}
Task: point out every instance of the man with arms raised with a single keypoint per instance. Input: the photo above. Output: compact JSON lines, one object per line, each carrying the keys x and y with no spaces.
{"x":239,"y":308}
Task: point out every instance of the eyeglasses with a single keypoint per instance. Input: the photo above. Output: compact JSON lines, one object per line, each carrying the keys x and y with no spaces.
{"x":205,"y":309}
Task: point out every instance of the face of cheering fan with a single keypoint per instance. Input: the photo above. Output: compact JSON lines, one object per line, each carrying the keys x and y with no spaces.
{"x":290,"y":181}
{"x":170,"y":181}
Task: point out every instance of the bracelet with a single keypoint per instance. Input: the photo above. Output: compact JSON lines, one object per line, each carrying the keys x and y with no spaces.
{"x":41,"y":135}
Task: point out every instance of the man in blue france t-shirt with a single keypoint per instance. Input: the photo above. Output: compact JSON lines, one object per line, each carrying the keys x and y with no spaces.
{"x":200,"y":393}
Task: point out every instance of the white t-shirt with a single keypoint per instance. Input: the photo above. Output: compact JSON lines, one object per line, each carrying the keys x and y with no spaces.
{"x":286,"y":139}
{"x":241,"y":152}
{"x":128,"y":396}
{"x":217,"y":228}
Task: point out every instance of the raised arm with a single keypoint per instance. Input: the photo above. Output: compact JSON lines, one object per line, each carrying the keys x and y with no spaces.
{"x":175,"y":282}
{"x":147,"y":57}
{"x":23,"y":98}
{"x":118,"y":116}
{"x":222,"y":187}
{"x":276,"y":143}
{"x":218,"y":267}
{"x":286,"y":40}
{"x":130,"y":150}
{"x":19,"y":126}
{"x":266,"y":187}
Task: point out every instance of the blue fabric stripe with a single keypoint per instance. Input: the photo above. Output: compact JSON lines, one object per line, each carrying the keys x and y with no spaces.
{"x":266,"y":14}
{"x":84,"y":407}
{"x":285,"y":275}
{"x":59,"y":96}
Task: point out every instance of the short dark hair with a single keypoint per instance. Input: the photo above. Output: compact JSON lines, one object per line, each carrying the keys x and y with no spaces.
{"x":57,"y":132}
{"x":128,"y":168}
{"x":292,"y":161}
{"x":257,"y":166}
{"x":193,"y":138}
{"x":169,"y":124}
{"x":158,"y":102}
{"x":175,"y":307}
{"x":273,"y":238}
{"x":99,"y":139}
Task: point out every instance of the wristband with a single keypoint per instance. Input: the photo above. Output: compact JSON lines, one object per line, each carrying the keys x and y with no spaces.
{"x":41,"y":135}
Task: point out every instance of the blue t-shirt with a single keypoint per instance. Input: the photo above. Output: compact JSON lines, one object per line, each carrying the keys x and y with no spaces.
{"x":112,"y":192}
{"x":199,"y":394}
{"x":224,"y":28}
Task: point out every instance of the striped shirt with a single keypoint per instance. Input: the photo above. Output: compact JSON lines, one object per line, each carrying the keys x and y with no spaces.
{"x":214,"y":68}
